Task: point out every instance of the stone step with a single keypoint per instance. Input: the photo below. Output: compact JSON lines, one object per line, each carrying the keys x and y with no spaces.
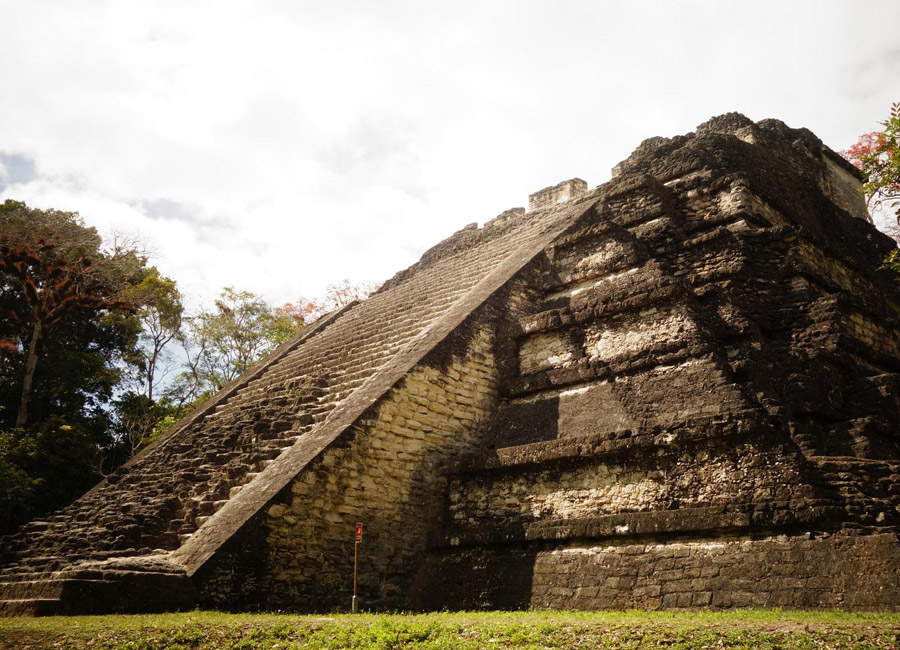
{"x":718,"y":519}
{"x":586,"y":369}
{"x":31,"y":586}
{"x":29,"y":607}
{"x":607,"y":446}
{"x":192,"y":474}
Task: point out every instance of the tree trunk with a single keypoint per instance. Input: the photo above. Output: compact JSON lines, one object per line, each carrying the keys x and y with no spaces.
{"x":30,"y":365}
{"x":151,"y":370}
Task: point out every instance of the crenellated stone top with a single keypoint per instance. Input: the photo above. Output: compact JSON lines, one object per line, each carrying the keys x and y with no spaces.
{"x":560,"y":193}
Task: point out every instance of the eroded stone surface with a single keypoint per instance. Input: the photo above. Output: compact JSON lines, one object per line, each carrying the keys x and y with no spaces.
{"x":679,"y":389}
{"x":693,"y":422}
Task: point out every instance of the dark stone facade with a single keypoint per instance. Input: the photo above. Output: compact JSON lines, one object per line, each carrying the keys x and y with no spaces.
{"x":679,"y":389}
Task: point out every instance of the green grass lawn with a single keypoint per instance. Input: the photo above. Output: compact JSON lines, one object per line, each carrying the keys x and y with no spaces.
{"x":738,"y":629}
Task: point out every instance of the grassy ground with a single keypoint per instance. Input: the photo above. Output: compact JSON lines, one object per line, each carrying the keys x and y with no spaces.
{"x":213,"y":630}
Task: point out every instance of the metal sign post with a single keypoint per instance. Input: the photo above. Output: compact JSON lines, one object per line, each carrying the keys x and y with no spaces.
{"x":359,"y":532}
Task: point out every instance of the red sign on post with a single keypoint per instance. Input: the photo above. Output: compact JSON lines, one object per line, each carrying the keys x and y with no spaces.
{"x":355,"y":606}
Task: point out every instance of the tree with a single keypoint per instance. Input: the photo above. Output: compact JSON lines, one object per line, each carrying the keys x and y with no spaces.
{"x":161,"y":313}
{"x":136,"y":413}
{"x":877,"y":156}
{"x":336,"y":296}
{"x":225,"y":341}
{"x":52,"y":270}
{"x":137,"y":421}
{"x":65,"y":331}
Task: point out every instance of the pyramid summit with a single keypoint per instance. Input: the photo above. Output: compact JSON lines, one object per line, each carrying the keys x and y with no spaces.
{"x":676,"y":390}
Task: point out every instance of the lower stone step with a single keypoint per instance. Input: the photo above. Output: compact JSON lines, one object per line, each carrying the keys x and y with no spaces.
{"x":751,"y":570}
{"x":29,"y":607}
{"x":609,"y":445}
{"x":99,"y":589}
{"x":31,"y":587}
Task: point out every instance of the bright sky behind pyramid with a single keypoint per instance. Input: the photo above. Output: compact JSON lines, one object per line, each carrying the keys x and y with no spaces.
{"x":279,"y":146}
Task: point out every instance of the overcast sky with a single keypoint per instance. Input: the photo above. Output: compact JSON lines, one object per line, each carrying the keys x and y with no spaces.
{"x":279,"y":146}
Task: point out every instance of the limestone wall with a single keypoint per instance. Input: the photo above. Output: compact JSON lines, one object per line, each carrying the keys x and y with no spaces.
{"x":566,"y":489}
{"x":844,"y":571}
{"x":676,"y":390}
{"x":703,"y":339}
{"x":385,"y":472}
{"x":387,"y":477}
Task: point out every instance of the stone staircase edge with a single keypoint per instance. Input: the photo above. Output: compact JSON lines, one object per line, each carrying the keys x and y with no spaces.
{"x":204,"y":542}
{"x":239,"y":382}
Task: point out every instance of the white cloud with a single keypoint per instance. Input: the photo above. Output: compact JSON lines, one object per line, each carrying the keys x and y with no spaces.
{"x":282,"y":146}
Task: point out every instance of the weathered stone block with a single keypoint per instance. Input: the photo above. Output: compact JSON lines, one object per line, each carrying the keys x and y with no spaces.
{"x":676,"y":390}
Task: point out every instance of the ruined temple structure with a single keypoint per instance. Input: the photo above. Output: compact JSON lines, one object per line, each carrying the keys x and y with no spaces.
{"x":678,"y":389}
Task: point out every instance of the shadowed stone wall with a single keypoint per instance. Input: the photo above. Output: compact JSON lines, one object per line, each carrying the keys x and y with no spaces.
{"x":679,"y":389}
{"x":385,"y":471}
{"x":840,"y":571}
{"x":700,"y":414}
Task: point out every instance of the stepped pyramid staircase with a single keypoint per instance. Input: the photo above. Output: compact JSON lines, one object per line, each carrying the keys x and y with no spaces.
{"x":696,"y":381}
{"x":676,"y":390}
{"x":130,"y":543}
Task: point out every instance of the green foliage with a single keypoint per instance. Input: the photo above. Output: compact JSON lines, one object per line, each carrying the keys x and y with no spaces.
{"x":160,"y":313}
{"x":138,"y":420}
{"x":62,"y":321}
{"x":877,"y":155}
{"x":892,"y":262}
{"x":64,"y":333}
{"x":466,"y":631}
{"x":43,"y":468}
{"x":226,"y":340}
{"x":17,"y":489}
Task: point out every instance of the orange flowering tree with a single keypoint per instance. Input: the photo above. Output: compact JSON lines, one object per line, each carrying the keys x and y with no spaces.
{"x":306,"y":311}
{"x":877,"y":156}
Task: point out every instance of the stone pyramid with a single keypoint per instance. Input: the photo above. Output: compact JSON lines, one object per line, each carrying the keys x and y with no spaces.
{"x":679,"y":389}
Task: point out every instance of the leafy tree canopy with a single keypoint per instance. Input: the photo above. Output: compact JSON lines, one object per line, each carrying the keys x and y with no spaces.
{"x":86,"y":332}
{"x":160,"y":310}
{"x":225,"y":341}
{"x":305,"y":310}
{"x":65,"y":329}
{"x":877,"y":155}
